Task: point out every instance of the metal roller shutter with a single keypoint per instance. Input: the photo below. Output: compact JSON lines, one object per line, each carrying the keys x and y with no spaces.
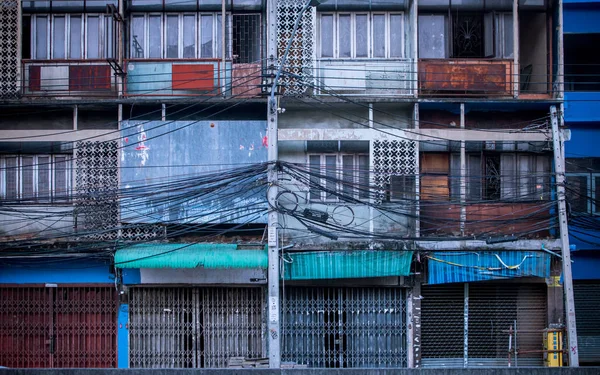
{"x":347,"y":327}
{"x":194,"y":327}
{"x":587,"y":309}
{"x":473,"y":331}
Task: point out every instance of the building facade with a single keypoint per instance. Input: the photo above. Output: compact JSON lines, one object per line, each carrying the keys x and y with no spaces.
{"x":412,"y":200}
{"x":581,"y":97}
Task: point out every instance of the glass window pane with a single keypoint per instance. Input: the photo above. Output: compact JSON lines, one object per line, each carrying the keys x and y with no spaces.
{"x":41,"y":37}
{"x":61,"y":181}
{"x":432,"y":36}
{"x":345,"y":35}
{"x":396,"y":35}
{"x":189,"y":39}
{"x":137,"y":37}
{"x":27,"y":177}
{"x":108,"y":38}
{"x":327,"y":35}
{"x":331,"y":175}
{"x":172,"y":37}
{"x":58,"y":38}
{"x":508,"y":36}
{"x":154,"y":45}
{"x":363,"y":176}
{"x":218,"y":37}
{"x":315,"y":181}
{"x":206,"y":29}
{"x":378,"y":30}
{"x":348,"y":175}
{"x":75,"y":38}
{"x":93,"y":38}
{"x":577,"y":192}
{"x":43,"y":174}
{"x":362,"y":35}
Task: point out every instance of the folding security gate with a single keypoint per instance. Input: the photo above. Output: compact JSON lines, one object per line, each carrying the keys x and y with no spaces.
{"x":186,"y":327}
{"x":587,"y":310}
{"x":467,"y":325}
{"x":347,"y":327}
{"x":66,"y":326}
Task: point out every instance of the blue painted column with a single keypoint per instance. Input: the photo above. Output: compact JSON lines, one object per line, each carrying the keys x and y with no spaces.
{"x":123,"y":336}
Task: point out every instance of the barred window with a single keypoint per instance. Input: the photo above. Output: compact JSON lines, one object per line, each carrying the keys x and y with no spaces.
{"x":345,"y":174}
{"x":36,"y":178}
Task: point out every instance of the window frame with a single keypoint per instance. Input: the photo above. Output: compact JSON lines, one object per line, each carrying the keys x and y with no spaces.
{"x":498,"y":33}
{"x":340,"y":188}
{"x":353,"y":39}
{"x":591,"y":186}
{"x":105,"y":44}
{"x":215,"y":27}
{"x":52,"y":187}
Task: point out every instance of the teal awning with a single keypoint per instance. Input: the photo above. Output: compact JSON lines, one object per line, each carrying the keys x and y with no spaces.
{"x":346,"y":264}
{"x":181,"y":255}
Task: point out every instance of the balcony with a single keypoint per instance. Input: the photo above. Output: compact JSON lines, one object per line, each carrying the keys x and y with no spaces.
{"x":68,"y":78}
{"x":466,"y":77}
{"x":177,"y":77}
{"x":360,"y":77}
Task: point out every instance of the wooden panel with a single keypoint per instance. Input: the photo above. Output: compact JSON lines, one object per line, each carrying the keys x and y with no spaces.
{"x":193,"y":77}
{"x":90,"y":78}
{"x":464,"y":76}
{"x":434,"y":176}
{"x":246,"y":80}
{"x":35,"y":76}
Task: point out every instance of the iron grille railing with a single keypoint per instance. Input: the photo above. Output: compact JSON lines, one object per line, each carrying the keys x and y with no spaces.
{"x":342,"y":327}
{"x":194,"y":327}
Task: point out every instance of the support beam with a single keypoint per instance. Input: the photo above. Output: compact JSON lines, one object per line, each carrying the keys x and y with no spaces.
{"x":559,"y":166}
{"x":463,"y":175}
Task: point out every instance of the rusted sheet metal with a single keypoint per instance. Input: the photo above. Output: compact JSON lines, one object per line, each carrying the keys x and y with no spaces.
{"x":90,"y":78}
{"x":193,"y":77}
{"x":490,"y":218}
{"x":246,"y":80}
{"x":35,"y":76}
{"x":466,"y":77}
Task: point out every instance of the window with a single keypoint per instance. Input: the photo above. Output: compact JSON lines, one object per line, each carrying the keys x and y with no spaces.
{"x":509,"y":176}
{"x":361,"y":35}
{"x":582,"y":63}
{"x":583,"y":192}
{"x":39,"y":178}
{"x":176,"y":36}
{"x":466,"y":35}
{"x":345,"y":174}
{"x":72,"y":36}
{"x":402,"y":187}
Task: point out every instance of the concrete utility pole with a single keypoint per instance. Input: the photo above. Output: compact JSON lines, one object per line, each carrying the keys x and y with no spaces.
{"x":559,"y":165}
{"x":273,"y":316}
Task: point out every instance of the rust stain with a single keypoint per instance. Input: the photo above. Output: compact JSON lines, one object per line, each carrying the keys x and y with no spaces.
{"x":477,"y":77}
{"x":90,"y":78}
{"x":193,"y":77}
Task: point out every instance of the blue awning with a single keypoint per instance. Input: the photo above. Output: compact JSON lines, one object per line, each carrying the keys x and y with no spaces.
{"x":460,"y":267}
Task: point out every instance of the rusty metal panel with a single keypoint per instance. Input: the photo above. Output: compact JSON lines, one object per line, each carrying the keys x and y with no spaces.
{"x":90,"y":78}
{"x":466,"y":77}
{"x":246,"y":80}
{"x":35,"y":76}
{"x":193,"y":77}
{"x":43,"y":327}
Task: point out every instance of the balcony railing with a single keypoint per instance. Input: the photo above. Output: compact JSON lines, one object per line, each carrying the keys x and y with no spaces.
{"x":177,"y":77}
{"x":365,"y":77}
{"x":466,"y":77}
{"x":68,"y":78}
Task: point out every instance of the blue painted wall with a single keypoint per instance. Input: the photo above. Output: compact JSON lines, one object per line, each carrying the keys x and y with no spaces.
{"x":584,"y":141}
{"x":166,"y":151}
{"x":582,"y":106}
{"x":55,"y":271}
{"x":581,"y":18}
{"x":585,"y":265}
{"x":123,"y":337}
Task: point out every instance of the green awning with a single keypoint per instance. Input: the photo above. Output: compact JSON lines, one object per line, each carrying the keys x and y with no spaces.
{"x":346,"y":264}
{"x":181,"y":255}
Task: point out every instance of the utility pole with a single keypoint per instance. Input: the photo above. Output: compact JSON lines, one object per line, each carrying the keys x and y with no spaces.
{"x":559,"y":165}
{"x":273,"y":315}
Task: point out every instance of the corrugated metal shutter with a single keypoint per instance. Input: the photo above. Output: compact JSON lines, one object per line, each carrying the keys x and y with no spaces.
{"x":194,"y":327}
{"x":587,"y":308}
{"x":63,"y":327}
{"x":491,"y":310}
{"x":347,"y":327}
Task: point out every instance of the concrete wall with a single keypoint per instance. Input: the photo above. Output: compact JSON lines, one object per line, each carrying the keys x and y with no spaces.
{"x":37,"y":221}
{"x":533,"y":50}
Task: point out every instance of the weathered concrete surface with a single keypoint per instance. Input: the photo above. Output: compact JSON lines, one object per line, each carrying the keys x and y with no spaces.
{"x":440,"y":371}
